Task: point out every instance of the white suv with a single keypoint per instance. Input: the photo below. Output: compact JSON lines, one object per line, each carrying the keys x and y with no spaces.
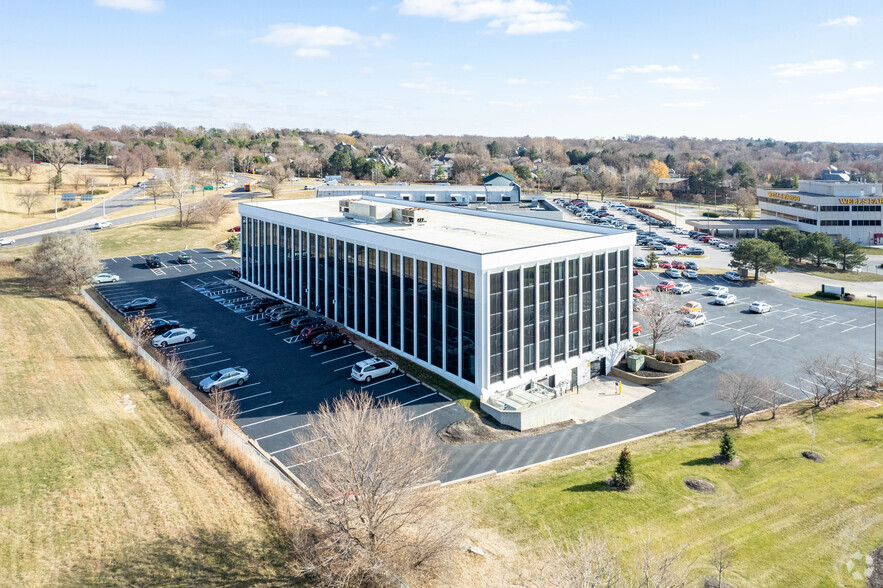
{"x":717,"y":291}
{"x":367,"y":370}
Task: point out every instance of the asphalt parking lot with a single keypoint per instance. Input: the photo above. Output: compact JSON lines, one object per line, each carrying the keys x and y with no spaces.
{"x":288,"y":379}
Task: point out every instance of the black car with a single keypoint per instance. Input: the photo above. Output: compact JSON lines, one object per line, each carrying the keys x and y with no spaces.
{"x":298,"y":324}
{"x":262,"y":304}
{"x":693,"y":251}
{"x":153,"y":261}
{"x":329,"y":340}
{"x":138,"y":304}
{"x":185,"y":259}
{"x":160,"y":326}
{"x":286,"y":314}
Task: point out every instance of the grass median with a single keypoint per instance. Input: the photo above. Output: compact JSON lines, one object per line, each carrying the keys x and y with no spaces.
{"x":102,"y":482}
{"x":792,"y":522}
{"x":815,"y":296}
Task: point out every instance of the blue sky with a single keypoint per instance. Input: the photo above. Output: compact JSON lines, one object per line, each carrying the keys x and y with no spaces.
{"x":807,"y":70}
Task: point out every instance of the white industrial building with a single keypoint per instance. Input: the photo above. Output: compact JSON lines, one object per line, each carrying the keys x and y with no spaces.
{"x":490,"y":301}
{"x":497,"y":190}
{"x":843,"y":209}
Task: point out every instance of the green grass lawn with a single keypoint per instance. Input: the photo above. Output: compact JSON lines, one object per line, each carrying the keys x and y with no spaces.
{"x":792,"y":522}
{"x":835,"y":274}
{"x":867,"y":302}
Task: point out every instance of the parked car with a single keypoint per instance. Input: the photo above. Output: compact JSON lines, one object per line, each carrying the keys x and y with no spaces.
{"x":691,"y":306}
{"x":286,"y":314}
{"x":307,"y":334}
{"x":174,"y":337}
{"x":636,"y":328}
{"x":634,"y":271}
{"x":665,"y":286}
{"x":262,"y":304}
{"x":682,"y":288}
{"x":694,"y":319}
{"x":717,"y":291}
{"x":724,"y":245}
{"x":732,"y":277}
{"x":298,"y":324}
{"x":679,"y":231}
{"x":225,"y":378}
{"x":329,"y":340}
{"x":160,"y":326}
{"x":759,"y":307}
{"x":691,"y":265}
{"x":235,"y":229}
{"x":138,"y":304}
{"x":692,"y":250}
{"x":724,"y":300}
{"x":237,"y":272}
{"x":640,"y":262}
{"x":673,"y":273}
{"x":102,"y":225}
{"x":664,"y":263}
{"x":369,"y":369}
{"x":678,"y":265}
{"x":6,"y":241}
{"x":689,"y":274}
{"x":185,"y":259}
{"x":104,"y":278}
{"x":153,"y":261}
{"x":641,"y":292}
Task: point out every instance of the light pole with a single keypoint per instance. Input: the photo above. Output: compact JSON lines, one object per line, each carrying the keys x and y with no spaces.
{"x":875,"y":339}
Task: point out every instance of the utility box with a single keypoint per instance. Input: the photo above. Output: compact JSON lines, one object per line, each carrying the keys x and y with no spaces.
{"x":636,"y":362}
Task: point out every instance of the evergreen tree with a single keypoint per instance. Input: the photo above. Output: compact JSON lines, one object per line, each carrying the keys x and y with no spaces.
{"x":652,"y":260}
{"x":623,"y":475}
{"x":727,"y":449}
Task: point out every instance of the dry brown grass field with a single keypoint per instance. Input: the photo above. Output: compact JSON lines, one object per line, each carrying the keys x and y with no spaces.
{"x":102,"y":482}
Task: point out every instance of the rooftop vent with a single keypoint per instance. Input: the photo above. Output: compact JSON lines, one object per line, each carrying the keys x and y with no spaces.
{"x":370,"y":212}
{"x":414,"y":216}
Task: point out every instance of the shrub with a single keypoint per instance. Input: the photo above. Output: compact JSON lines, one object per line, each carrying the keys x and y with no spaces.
{"x":711,"y":214}
{"x":623,"y":475}
{"x":99,"y":192}
{"x":849,"y":297}
{"x":658,"y":357}
{"x":829,"y":264}
{"x":691,"y":356}
{"x":727,"y":449}
{"x":820,"y":294}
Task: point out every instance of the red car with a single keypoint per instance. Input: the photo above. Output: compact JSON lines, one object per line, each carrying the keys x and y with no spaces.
{"x":237,"y":272}
{"x":665,"y":286}
{"x":678,"y":265}
{"x":636,"y":328}
{"x":664,"y":264}
{"x":310,"y":333}
{"x":235,"y":229}
{"x":705,"y":238}
{"x":634,"y":271}
{"x":641,"y":292}
{"x":680,"y":245}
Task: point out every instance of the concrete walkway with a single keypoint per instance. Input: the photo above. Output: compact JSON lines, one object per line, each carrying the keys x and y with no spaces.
{"x":602,"y":396}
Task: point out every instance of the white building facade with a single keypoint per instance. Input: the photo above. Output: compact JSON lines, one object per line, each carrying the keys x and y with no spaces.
{"x":852,"y":210}
{"x":489,"y":301}
{"x":444,"y":193}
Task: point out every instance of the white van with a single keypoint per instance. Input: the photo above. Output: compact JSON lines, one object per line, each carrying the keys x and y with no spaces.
{"x":669,"y":250}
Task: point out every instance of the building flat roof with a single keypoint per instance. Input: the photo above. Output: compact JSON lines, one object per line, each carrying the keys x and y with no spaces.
{"x":477,"y":232}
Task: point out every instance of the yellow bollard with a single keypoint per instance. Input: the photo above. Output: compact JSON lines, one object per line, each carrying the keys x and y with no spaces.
{"x":620,"y":388}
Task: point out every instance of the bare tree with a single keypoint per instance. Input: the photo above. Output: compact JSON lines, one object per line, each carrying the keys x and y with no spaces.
{"x":576,"y":184}
{"x":225,"y":407}
{"x":213,"y":208}
{"x":62,"y":264}
{"x":59,"y":154}
{"x":744,"y":199}
{"x":126,"y":165}
{"x":770,"y":394}
{"x":740,"y":391}
{"x":374,"y":519}
{"x":273,"y":184}
{"x":139,"y":328}
{"x":662,"y":318}
{"x":78,"y":179}
{"x":829,"y":380}
{"x":145,"y":158}
{"x":604,"y":181}
{"x":27,"y":169}
{"x":722,"y":559}
{"x":14,"y":161}
{"x":174,"y":366}
{"x":154,"y":190}
{"x":662,"y":570}
{"x":178,"y":180}
{"x":587,"y":563}
{"x":29,"y":198}
{"x":630,"y":179}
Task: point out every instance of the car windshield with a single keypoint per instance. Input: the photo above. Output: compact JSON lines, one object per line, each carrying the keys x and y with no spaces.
{"x":215,"y":376}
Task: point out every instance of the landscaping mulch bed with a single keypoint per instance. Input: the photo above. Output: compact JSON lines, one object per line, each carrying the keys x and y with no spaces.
{"x":733,"y":464}
{"x":699,"y":485}
{"x":876,"y":578}
{"x":813,"y":456}
{"x":487,"y":430}
{"x":705,"y":355}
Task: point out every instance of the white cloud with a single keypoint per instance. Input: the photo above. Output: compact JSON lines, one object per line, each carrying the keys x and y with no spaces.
{"x":683,"y":83}
{"x":858,"y":94}
{"x":646,"y":69}
{"x":515,"y":17}
{"x":695,"y":57}
{"x":320,"y":93}
{"x":219,"y":73}
{"x":584,"y":97}
{"x":294,"y":35}
{"x":421,"y":64}
{"x":820,"y":66}
{"x":614,"y":77}
{"x":312,"y":53}
{"x":516,"y":81}
{"x":684,"y":104}
{"x":434,"y":86}
{"x":466,"y":67}
{"x":843,"y":21}
{"x":510,"y":104}
{"x":135,"y":5}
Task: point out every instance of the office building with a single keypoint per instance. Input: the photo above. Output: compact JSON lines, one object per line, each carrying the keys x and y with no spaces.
{"x":490,"y":301}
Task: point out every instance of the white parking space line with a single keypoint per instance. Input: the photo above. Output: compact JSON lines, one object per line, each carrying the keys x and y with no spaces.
{"x":761,"y":341}
{"x":296,"y":445}
{"x":420,"y":416}
{"x":346,"y":367}
{"x":281,"y":416}
{"x":193,"y":343}
{"x":261,"y":407}
{"x":194,"y":350}
{"x":283,"y":432}
{"x":326,"y":351}
{"x":206,"y":355}
{"x":762,"y":332}
{"x":789,"y":338}
{"x":342,"y":356}
{"x":202,"y":365}
{"x":740,"y":336}
{"x":399,"y":390}
{"x":417,"y":399}
{"x":378,"y":382}
{"x":247,"y":386}
{"x":254,"y":395}
{"x":312,"y":460}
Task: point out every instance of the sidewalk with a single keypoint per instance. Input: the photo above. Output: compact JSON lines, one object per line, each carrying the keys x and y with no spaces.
{"x":600,"y":397}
